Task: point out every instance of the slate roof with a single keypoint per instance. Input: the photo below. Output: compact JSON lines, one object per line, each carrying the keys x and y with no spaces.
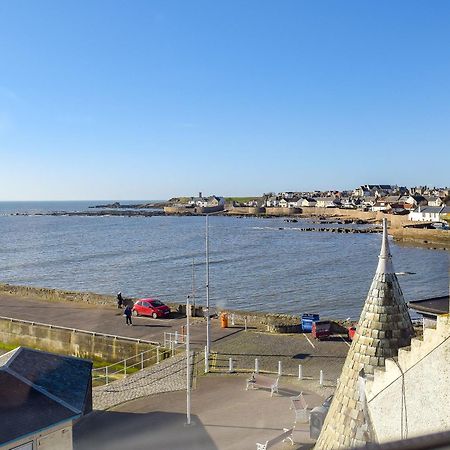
{"x":39,"y":389}
{"x":435,"y":305}
{"x":383,"y":328}
{"x":25,"y":409}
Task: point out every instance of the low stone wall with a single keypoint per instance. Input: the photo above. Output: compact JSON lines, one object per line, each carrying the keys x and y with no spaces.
{"x":277,"y":211}
{"x":71,"y":342}
{"x":245,"y":210}
{"x":197,"y":210}
{"x":56,"y":294}
{"x":439,"y":238}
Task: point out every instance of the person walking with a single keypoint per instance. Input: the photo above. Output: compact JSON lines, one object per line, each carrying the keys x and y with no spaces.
{"x":119,"y":300}
{"x":128,"y":312}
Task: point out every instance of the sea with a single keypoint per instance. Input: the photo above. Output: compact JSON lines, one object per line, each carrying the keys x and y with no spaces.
{"x":257,"y":264}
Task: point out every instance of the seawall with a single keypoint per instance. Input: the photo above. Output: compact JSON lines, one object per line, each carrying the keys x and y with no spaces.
{"x":68,"y":341}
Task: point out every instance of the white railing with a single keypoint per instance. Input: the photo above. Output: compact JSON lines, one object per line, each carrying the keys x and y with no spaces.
{"x":174,"y":341}
{"x":121,"y":369}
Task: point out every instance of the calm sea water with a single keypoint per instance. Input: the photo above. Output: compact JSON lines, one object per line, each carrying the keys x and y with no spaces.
{"x":253,"y":264}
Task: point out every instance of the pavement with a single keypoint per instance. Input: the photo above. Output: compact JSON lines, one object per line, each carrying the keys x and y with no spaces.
{"x":243,"y":347}
{"x":224,"y":415}
{"x":107,"y":319}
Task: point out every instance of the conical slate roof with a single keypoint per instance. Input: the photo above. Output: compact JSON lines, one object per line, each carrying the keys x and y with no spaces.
{"x":384,"y":327}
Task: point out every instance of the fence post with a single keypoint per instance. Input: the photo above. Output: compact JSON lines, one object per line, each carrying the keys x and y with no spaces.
{"x":157,"y":355}
{"x":245,"y":323}
{"x":230,"y":365}
{"x":279,"y":368}
{"x":176,"y":337}
{"x":256,"y":365}
{"x":300,"y":372}
{"x":206,"y":360}
{"x":142,"y":361}
{"x":106,"y":375}
{"x":321,"y":377}
{"x":125,"y":367}
{"x":232,"y":319}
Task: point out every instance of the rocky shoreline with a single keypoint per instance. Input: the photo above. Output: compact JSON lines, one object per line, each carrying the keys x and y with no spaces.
{"x":433,"y":239}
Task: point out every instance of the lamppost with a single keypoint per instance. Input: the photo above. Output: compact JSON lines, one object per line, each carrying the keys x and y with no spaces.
{"x":188,"y":363}
{"x":208,"y":316}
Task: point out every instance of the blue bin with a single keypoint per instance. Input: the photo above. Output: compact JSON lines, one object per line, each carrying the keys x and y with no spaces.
{"x":307,"y":321}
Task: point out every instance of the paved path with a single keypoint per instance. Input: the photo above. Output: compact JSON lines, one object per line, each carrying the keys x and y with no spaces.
{"x":106,"y":319}
{"x":226,"y":417}
{"x":168,"y":376}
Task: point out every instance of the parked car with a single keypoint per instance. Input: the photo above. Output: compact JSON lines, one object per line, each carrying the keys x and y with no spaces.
{"x":351,"y":332}
{"x":321,"y":329}
{"x":150,"y":307}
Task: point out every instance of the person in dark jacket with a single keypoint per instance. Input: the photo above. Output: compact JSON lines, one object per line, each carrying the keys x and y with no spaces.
{"x":128,"y":312}
{"x":119,"y":300}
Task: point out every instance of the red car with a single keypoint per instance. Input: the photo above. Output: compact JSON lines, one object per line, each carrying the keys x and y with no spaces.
{"x":351,"y":332}
{"x":150,"y":307}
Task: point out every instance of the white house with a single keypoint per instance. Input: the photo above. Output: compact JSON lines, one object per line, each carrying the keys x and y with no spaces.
{"x":295,"y":202}
{"x":416,"y":200}
{"x":272,"y":201}
{"x":308,"y":202}
{"x":327,"y":202}
{"x":426,"y":214}
{"x":434,"y":201}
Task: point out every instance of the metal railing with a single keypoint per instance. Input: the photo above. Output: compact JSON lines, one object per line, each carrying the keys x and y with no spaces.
{"x":174,"y":340}
{"x":132,"y":364}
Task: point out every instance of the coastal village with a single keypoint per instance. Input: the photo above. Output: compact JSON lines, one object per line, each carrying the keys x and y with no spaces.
{"x":420,"y":203}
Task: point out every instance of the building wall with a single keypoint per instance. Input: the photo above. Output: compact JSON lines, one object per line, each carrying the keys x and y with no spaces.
{"x":54,"y":438}
{"x":415,"y":400}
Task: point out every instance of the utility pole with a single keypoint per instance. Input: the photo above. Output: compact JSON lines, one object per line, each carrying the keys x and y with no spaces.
{"x":193,"y":284}
{"x":208,"y":317}
{"x":188,"y":364}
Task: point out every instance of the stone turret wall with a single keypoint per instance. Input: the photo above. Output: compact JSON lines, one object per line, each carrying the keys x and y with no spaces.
{"x":383,"y":328}
{"x":411,"y":397}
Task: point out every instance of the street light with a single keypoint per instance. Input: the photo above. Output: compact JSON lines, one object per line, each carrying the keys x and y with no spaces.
{"x":188,"y":365}
{"x":208,"y":317}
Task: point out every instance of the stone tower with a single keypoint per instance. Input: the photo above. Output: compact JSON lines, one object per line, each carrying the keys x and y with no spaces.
{"x":384,"y":327}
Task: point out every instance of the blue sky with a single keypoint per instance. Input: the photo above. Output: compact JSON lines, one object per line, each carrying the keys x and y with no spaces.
{"x":153,"y":99}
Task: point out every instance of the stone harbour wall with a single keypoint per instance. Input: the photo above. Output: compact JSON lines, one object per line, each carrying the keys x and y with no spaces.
{"x":82,"y":344}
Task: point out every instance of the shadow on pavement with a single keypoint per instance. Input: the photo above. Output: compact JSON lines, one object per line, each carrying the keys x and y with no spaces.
{"x":113,"y":430}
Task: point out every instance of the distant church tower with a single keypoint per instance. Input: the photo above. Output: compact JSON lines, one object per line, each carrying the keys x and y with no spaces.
{"x":384,"y":327}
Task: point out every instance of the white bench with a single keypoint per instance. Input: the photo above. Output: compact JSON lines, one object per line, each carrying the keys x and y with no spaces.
{"x":300,"y":407}
{"x":258,"y":380}
{"x":286,"y":435}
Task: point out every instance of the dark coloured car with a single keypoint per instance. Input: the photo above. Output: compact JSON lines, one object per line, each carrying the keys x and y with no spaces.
{"x":150,"y":307}
{"x":321,"y":329}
